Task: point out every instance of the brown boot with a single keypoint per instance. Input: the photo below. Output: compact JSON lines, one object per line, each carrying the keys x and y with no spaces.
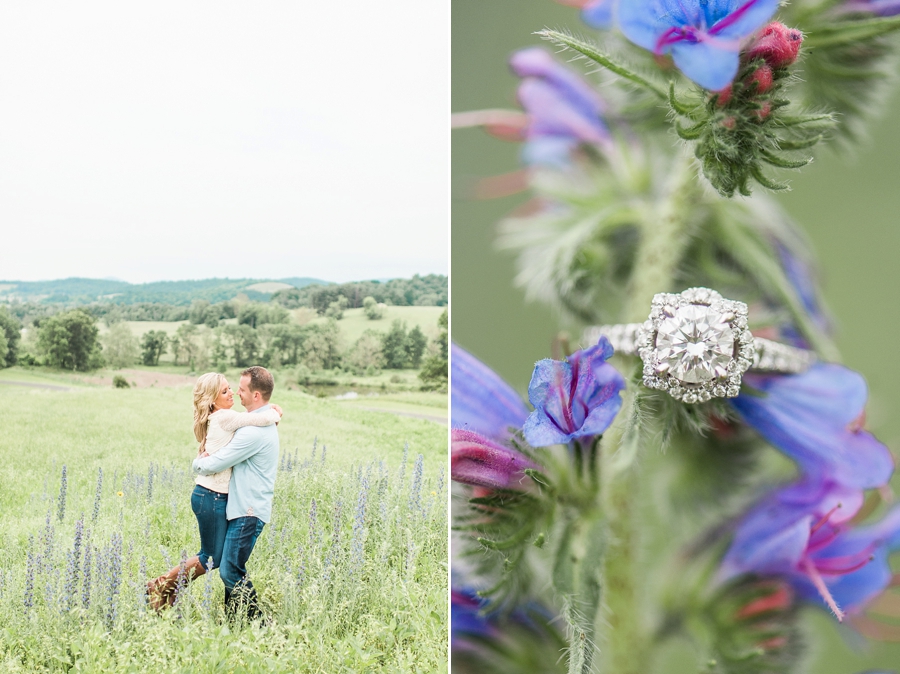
{"x":161,"y":590}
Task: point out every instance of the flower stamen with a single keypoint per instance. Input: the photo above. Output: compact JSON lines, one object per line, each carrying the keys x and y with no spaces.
{"x":818,"y":525}
{"x":816,"y":579}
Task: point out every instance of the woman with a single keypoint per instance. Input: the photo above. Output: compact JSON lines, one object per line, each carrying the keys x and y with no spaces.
{"x":214,"y":425}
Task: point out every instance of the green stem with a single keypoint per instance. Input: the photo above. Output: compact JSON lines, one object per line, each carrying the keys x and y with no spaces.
{"x":664,"y":240}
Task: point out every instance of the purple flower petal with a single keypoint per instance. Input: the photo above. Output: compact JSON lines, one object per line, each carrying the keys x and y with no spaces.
{"x":481,"y":401}
{"x":564,"y":111}
{"x":803,"y":534}
{"x":877,"y":7}
{"x":810,"y":417}
{"x":865,"y":547}
{"x":477,"y":461}
{"x":598,"y":13}
{"x":574,"y":398}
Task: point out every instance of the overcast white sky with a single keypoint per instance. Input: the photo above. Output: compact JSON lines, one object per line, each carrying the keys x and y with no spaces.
{"x":180,"y":140}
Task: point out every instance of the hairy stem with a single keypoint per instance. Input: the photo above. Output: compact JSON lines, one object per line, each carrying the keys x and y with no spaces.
{"x":665,"y":238}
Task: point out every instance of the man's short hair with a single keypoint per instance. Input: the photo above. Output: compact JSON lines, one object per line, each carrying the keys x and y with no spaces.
{"x":260,"y":380}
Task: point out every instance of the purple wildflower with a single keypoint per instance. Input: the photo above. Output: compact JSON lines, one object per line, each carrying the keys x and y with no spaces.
{"x":480,"y":401}
{"x":480,"y":462}
{"x":564,"y":111}
{"x":472,"y":624}
{"x":595,"y":13}
{"x":802,"y":533}
{"x":598,"y":13}
{"x":484,"y":412}
{"x":467,"y":619}
{"x":61,"y":501}
{"x":814,"y":418}
{"x":877,"y":7}
{"x":800,"y":275}
{"x":703,"y":37}
{"x":575,"y":398}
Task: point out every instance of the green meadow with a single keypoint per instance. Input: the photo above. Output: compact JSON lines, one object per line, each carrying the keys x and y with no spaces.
{"x":354,"y":322}
{"x":94,"y":501}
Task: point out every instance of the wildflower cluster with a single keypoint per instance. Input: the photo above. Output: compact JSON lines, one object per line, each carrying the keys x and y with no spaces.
{"x":634,"y":178}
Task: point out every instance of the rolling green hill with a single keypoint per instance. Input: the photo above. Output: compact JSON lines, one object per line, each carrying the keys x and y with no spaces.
{"x":79,"y":291}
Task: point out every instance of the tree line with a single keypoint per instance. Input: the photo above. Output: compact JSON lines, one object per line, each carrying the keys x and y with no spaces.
{"x":263,"y":335}
{"x":429,"y":290}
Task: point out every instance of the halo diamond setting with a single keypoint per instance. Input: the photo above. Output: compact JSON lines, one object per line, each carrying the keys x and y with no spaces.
{"x":695,"y":345}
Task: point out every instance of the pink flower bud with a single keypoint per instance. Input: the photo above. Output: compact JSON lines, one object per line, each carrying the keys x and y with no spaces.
{"x":480,"y":462}
{"x":723,"y":97}
{"x":777,"y":44}
{"x":762,"y":78}
{"x":765,"y":109}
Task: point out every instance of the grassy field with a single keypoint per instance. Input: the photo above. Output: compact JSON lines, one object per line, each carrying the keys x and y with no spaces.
{"x":94,"y":500}
{"x":140,"y":328}
{"x":354,"y":322}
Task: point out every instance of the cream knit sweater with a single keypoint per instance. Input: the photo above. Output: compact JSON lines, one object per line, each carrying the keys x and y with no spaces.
{"x":221,"y":428}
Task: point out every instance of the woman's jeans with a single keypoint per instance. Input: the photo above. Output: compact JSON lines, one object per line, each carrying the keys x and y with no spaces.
{"x":209,"y":507}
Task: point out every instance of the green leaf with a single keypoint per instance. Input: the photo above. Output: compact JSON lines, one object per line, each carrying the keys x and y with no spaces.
{"x":678,"y":106}
{"x":785,"y":144}
{"x":766,"y":182}
{"x":824,"y":121}
{"x":850,"y":32}
{"x":781,"y":162}
{"x":585,"y":48}
{"x":691,"y":132}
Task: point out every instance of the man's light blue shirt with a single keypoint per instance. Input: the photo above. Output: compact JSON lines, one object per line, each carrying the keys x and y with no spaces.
{"x":252,"y":455}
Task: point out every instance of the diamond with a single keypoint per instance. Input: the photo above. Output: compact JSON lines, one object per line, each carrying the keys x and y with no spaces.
{"x":696,"y":343}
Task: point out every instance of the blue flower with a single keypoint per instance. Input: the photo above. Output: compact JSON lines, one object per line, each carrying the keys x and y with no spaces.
{"x":467,"y":619}
{"x":473,"y":625}
{"x":575,"y":398}
{"x":802,"y":533}
{"x":598,"y":13}
{"x":564,"y":111}
{"x":800,"y":276}
{"x":814,"y":417}
{"x":703,"y":36}
{"x":481,"y":401}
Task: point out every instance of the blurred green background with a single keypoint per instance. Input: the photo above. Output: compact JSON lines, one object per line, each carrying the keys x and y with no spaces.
{"x":848,"y":205}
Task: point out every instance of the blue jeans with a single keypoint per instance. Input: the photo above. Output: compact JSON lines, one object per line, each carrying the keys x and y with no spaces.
{"x":209,"y":507}
{"x":239,"y":541}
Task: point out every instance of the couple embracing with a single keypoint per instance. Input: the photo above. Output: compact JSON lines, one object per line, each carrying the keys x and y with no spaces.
{"x":236,"y":468}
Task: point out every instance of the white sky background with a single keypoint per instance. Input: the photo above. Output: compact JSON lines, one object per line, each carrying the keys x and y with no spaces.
{"x":181,"y":140}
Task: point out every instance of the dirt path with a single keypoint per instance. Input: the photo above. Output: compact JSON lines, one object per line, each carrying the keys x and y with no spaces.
{"x":29,"y":384}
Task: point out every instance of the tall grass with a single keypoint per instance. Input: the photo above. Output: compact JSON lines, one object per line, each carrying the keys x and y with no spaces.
{"x":351,"y":569}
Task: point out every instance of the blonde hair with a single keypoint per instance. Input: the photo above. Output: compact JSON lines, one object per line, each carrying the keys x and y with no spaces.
{"x":206,"y":390}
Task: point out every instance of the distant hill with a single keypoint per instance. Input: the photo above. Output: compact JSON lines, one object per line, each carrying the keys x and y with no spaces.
{"x":79,"y":291}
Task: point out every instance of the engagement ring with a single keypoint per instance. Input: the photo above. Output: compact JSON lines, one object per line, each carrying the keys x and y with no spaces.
{"x":696,"y":346}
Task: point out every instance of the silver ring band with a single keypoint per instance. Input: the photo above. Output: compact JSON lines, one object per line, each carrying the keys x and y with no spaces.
{"x":768,"y":356}
{"x":696,"y":345}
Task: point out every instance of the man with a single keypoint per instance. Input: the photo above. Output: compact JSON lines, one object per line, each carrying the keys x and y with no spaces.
{"x":253,"y":456}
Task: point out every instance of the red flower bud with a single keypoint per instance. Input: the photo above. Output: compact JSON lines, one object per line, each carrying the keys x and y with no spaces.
{"x":762,"y":78}
{"x":765,"y":109}
{"x":723,"y":97}
{"x":777,"y":44}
